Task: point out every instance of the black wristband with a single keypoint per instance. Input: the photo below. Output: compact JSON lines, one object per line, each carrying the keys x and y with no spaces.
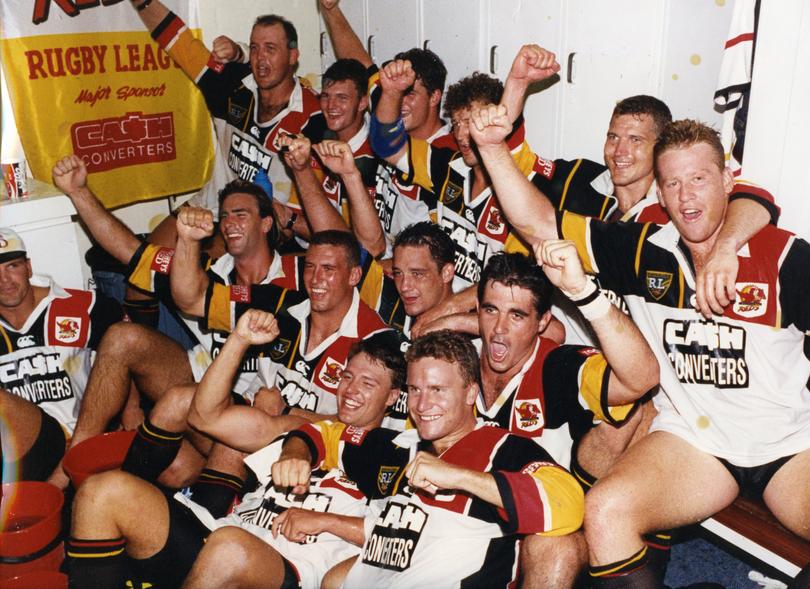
{"x":142,"y":6}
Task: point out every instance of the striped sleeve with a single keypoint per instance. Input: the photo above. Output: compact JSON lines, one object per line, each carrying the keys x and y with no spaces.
{"x":594,"y":378}
{"x":149,"y":268}
{"x":539,"y":498}
{"x":324,"y":441}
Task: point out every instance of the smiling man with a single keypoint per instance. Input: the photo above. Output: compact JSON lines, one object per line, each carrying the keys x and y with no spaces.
{"x":471,"y":489}
{"x":283,"y":539}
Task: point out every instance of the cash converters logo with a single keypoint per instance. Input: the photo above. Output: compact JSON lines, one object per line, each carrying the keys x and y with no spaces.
{"x":129,"y":140}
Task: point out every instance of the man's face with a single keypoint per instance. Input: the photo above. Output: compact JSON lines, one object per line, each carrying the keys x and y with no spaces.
{"x":417,"y":105}
{"x":328,"y":277}
{"x":629,"y":150}
{"x":343,"y":106}
{"x":244,"y":231}
{"x":509,"y":325}
{"x":14,"y":282}
{"x":694,"y":191}
{"x":271,"y":60}
{"x":419,"y":281}
{"x":460,"y":121}
{"x":364,"y":392}
{"x":439,"y":403}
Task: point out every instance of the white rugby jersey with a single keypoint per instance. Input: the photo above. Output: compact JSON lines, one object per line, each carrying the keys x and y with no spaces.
{"x":734,"y":386}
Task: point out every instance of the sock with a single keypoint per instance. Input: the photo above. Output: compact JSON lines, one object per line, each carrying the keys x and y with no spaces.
{"x":216,"y":491}
{"x":658,"y":551}
{"x":144,"y":312}
{"x":96,"y":563}
{"x":585,"y":479}
{"x":631,"y":573}
{"x":152,"y":451}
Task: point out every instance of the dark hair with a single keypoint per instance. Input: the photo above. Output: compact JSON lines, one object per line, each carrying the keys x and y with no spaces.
{"x":450,"y":346}
{"x":476,"y":87}
{"x":517,"y":270}
{"x":384,"y":348}
{"x":686,"y":133}
{"x":347,"y":69}
{"x":268,"y":20}
{"x":263,"y":203}
{"x":338,"y":238}
{"x":428,"y":234}
{"x":428,"y":67}
{"x":643,"y":104}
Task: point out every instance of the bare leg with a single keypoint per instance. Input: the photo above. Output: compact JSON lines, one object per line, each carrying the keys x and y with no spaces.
{"x":788,"y":494}
{"x":552,"y":561}
{"x":235,"y":558}
{"x":334,"y":577}
{"x":128,"y":352}
{"x":19,"y":426}
{"x":661,"y":482}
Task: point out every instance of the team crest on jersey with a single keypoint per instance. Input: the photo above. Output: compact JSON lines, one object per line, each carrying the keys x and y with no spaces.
{"x":529,"y":415}
{"x":68,"y":329}
{"x":752,"y":299}
{"x":658,"y":283}
{"x":451,"y":192}
{"x":279,"y":349}
{"x":330,"y":185}
{"x":330,"y":372}
{"x":495,"y":223}
{"x":385,"y":476}
{"x":237,"y":112}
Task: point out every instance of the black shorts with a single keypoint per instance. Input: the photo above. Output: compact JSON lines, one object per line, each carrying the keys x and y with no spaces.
{"x":187,"y":534}
{"x":752,"y":480}
{"x":43,"y":456}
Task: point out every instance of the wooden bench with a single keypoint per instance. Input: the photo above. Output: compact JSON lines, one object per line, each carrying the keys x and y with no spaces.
{"x":751,"y":527}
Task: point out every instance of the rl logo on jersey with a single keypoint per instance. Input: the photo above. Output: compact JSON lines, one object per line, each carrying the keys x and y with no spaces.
{"x":529,"y":415}
{"x":658,"y":283}
{"x":752,"y":299}
{"x":68,"y":329}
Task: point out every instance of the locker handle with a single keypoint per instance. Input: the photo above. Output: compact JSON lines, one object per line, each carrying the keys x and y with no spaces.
{"x":323,"y":44}
{"x":569,"y":73}
{"x":493,"y":59}
{"x":370,"y":46}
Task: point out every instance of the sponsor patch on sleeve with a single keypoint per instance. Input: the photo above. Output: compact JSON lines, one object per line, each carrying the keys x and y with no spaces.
{"x":240,"y":293}
{"x":353,"y":435}
{"x":162,"y":262}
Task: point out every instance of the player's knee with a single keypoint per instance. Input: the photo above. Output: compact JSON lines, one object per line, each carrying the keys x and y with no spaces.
{"x":552,"y":558}
{"x":183,"y":471}
{"x":103,"y":491}
{"x":606,"y":506}
{"x":171,"y":411}
{"x":123,"y":340}
{"x":227,"y":548}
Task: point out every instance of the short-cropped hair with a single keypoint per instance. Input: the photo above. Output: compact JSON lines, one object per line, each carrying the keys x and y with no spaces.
{"x":644,"y":104}
{"x":384,"y":348}
{"x":347,"y":69}
{"x":342,"y":239}
{"x":450,"y":346}
{"x":517,"y":270}
{"x":476,"y":87}
{"x":429,"y":235}
{"x":428,"y":67}
{"x":686,"y":133}
{"x":268,"y":20}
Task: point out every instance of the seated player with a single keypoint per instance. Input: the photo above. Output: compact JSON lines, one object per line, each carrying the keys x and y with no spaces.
{"x":162,"y":538}
{"x":456,"y":497}
{"x":48,"y":337}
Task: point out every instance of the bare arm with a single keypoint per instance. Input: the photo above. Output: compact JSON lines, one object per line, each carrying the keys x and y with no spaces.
{"x":320,"y":213}
{"x":461,"y":302}
{"x":338,"y":157}
{"x":187,"y":278}
{"x":715,"y":282}
{"x":345,"y":42}
{"x":153,"y":14}
{"x":432,"y":474}
{"x":296,"y":524}
{"x":244,"y":428}
{"x":527,"y":209}
{"x":70,"y":176}
{"x":532,"y":64}
{"x":634,"y":368}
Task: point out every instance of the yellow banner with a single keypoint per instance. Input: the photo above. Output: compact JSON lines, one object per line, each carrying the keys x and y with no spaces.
{"x":116,"y":100}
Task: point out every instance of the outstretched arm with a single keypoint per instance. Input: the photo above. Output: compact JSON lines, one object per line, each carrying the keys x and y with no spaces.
{"x":70,"y":176}
{"x":244,"y":428}
{"x":345,"y":42}
{"x":532,"y":64}
{"x":527,"y":209}
{"x":387,"y":133}
{"x":338,"y":157}
{"x":187,"y":278}
{"x":634,"y":368}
